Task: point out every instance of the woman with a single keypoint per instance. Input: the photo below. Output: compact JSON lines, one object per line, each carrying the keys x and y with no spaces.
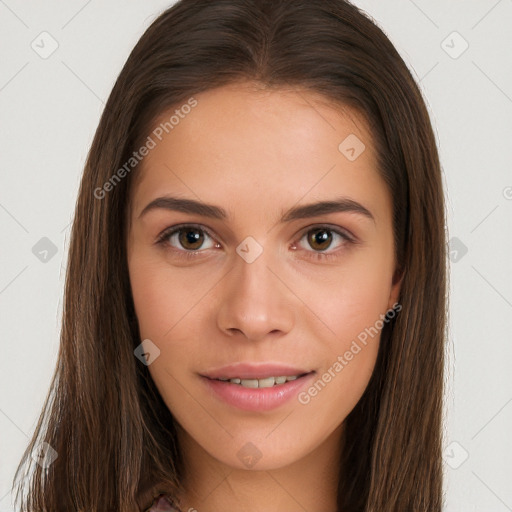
{"x":255,"y":295}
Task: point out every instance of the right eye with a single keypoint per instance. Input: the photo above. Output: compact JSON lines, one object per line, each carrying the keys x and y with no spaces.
{"x":186,"y":238}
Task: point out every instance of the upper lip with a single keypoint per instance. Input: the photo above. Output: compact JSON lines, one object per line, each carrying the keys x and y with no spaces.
{"x":254,"y":371}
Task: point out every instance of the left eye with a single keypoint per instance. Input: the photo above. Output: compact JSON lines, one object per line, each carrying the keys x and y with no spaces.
{"x":321,"y":238}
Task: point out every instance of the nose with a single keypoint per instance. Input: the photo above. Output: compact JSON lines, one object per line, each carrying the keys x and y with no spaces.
{"x":255,"y":300}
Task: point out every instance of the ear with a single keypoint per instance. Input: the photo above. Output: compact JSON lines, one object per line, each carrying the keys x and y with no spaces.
{"x":396,"y":286}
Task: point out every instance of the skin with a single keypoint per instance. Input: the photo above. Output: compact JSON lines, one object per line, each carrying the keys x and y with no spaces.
{"x":256,"y":153}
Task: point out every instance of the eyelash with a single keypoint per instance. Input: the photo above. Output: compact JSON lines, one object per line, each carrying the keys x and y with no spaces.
{"x":163,"y":239}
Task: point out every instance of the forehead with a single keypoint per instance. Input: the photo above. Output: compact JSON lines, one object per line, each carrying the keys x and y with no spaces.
{"x":258,"y":146}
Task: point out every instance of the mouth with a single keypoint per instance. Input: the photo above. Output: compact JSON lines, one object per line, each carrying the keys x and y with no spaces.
{"x":256,"y":375}
{"x":256,"y":387}
{"x":263,"y":382}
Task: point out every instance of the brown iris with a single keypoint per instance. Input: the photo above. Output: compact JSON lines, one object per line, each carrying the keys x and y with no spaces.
{"x":320,"y":239}
{"x":191,"y":236}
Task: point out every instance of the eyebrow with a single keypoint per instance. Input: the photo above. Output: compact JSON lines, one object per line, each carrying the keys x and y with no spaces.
{"x":191,"y":206}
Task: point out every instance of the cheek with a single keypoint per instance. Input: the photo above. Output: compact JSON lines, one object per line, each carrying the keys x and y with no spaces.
{"x":164,"y":303}
{"x":350,"y":349}
{"x":164,"y":297}
{"x":169,"y":305}
{"x":350,"y":304}
{"x":351,"y":298}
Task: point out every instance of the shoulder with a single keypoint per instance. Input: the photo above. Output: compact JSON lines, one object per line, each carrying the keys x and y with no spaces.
{"x":162,"y":503}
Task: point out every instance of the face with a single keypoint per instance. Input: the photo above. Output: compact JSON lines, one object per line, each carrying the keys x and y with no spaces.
{"x":260,"y":276}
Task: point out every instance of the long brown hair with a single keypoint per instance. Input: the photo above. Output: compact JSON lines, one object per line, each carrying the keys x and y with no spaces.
{"x":114,"y":437}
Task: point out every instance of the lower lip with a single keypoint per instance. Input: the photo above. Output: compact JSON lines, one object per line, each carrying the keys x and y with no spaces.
{"x":257,"y":399}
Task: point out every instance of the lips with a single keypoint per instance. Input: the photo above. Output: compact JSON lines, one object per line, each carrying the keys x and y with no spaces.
{"x":255,"y":371}
{"x":260,"y":399}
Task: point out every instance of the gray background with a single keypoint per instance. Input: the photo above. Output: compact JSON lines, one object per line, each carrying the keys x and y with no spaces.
{"x":49,"y":110}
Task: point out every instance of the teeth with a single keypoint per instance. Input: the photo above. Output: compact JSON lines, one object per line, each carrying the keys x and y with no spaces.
{"x":268,"y":382}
